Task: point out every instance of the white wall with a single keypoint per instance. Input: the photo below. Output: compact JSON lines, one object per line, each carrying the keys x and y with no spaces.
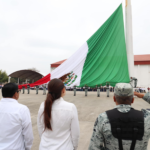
{"x":142,"y":73}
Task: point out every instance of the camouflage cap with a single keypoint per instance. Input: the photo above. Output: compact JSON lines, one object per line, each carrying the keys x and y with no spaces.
{"x":123,"y":89}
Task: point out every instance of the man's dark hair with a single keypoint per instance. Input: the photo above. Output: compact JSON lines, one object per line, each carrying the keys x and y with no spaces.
{"x":124,"y":99}
{"x":9,"y":89}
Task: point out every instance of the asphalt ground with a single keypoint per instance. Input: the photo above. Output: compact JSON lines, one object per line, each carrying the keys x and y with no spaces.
{"x":88,"y":109}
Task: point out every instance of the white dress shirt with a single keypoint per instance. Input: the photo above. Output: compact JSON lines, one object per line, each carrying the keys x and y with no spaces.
{"x":15,"y":126}
{"x":65,"y":127}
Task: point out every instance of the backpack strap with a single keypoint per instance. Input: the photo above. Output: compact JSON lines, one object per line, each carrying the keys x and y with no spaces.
{"x":126,"y":122}
{"x":133,"y":141}
{"x":119,"y":138}
{"x":135,"y":131}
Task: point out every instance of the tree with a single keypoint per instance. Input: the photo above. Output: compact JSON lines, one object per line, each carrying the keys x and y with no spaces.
{"x":3,"y":76}
{"x":13,"y":80}
{"x":34,"y":69}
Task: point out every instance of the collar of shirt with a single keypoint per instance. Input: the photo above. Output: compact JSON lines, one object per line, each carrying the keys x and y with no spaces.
{"x":57,"y":101}
{"x":9,"y":100}
{"x":123,"y":108}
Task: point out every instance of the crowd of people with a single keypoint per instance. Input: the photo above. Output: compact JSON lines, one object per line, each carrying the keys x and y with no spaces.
{"x":102,"y":89}
{"x":141,"y":89}
{"x":58,"y":124}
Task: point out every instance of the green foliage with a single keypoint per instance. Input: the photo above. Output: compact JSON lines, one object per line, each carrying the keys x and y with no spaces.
{"x":14,"y":80}
{"x":21,"y":80}
{"x":3,"y":76}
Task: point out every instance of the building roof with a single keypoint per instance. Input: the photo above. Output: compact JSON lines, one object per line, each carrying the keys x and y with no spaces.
{"x":56,"y":64}
{"x":26,"y":74}
{"x":142,"y":59}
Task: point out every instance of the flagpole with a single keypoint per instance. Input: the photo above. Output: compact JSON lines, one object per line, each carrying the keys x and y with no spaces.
{"x":129,"y":38}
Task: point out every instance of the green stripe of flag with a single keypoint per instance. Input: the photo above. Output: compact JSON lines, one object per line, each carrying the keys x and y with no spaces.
{"x":106,"y":60}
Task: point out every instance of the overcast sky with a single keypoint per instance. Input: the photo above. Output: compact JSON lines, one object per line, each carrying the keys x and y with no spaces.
{"x":37,"y":33}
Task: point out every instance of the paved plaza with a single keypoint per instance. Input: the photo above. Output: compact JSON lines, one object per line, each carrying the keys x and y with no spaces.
{"x":88,"y":109}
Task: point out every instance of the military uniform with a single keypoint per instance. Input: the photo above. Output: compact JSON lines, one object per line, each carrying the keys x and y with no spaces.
{"x":102,"y":138}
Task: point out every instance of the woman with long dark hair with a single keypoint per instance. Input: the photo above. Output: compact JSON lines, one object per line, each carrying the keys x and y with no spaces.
{"x":57,"y":120}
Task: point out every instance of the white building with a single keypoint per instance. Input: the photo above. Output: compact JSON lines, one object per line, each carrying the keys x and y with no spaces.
{"x":142,"y":70}
{"x":56,"y":64}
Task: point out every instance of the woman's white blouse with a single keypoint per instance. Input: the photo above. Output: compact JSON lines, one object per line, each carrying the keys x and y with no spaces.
{"x":65,"y":127}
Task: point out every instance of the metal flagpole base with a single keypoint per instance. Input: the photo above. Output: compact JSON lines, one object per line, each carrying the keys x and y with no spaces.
{"x":37,"y":88}
{"x":28,"y":88}
{"x":86,"y":89}
{"x":108,"y":92}
{"x":74,"y":89}
{"x":107,"y":89}
{"x":23,"y":90}
{"x":44,"y":90}
{"x":98,"y":92}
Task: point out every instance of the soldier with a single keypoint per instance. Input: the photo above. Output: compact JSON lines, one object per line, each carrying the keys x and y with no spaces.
{"x":134,"y":80}
{"x":145,"y":96}
{"x":148,"y":89}
{"x":122,"y":128}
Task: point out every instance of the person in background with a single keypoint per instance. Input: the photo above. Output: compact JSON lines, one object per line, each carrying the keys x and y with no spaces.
{"x":140,"y":90}
{"x":148,"y":89}
{"x":122,"y":128}
{"x":57,"y":120}
{"x":15,"y":121}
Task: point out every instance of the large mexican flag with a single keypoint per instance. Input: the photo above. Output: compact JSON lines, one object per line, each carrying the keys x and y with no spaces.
{"x":101,"y":59}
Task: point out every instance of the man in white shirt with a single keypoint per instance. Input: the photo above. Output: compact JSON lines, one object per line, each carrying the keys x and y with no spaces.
{"x":15,"y":121}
